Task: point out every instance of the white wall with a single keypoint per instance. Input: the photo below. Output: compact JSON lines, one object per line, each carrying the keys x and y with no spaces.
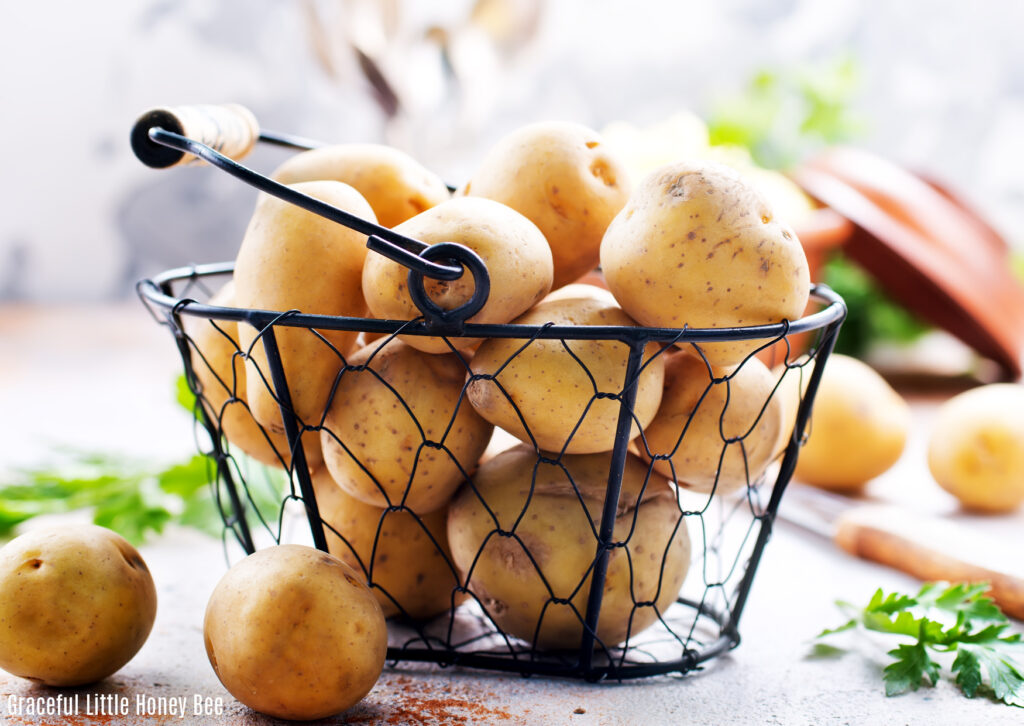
{"x":82,"y":219}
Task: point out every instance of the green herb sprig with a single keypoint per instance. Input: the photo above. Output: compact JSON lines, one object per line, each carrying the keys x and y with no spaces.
{"x":945,"y":620}
{"x":136,"y":499}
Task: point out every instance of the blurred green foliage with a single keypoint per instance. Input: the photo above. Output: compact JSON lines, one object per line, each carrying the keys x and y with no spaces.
{"x":872,"y":315}
{"x":782,"y":114}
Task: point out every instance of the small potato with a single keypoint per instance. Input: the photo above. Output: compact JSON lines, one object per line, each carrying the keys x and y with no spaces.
{"x":291,"y":259}
{"x":389,"y":414}
{"x":292,"y":633}
{"x":546,"y":384}
{"x":698,"y":246}
{"x":518,"y":262}
{"x":719,"y":428}
{"x":396,"y":185}
{"x":858,"y":427}
{"x":565,"y":180}
{"x":976,"y":447}
{"x":552,"y":551}
{"x":76,"y":604}
{"x":404,"y":557}
{"x":220,"y":368}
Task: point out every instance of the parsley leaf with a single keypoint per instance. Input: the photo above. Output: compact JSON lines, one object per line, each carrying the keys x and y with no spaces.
{"x":943,"y":619}
{"x":912,"y":665}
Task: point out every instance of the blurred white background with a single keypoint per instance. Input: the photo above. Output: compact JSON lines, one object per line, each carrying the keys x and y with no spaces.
{"x":941,"y":90}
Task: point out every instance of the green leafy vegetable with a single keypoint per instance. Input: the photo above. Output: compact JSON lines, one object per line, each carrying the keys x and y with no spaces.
{"x":784,"y":113}
{"x":956,"y":619}
{"x":133,"y":498}
{"x":872,"y":315}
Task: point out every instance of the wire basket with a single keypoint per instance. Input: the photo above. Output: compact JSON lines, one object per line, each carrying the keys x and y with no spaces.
{"x":613,"y":564}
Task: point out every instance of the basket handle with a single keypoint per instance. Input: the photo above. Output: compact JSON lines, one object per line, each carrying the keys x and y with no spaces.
{"x":218,"y":135}
{"x":230,"y":129}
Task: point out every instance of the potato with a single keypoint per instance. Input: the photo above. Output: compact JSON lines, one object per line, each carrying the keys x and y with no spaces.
{"x":719,"y":432}
{"x":976,"y":447}
{"x":792,"y":386}
{"x":549,"y":387}
{"x":294,"y":259}
{"x":858,"y":427}
{"x":76,"y":604}
{"x":698,"y":246}
{"x":220,"y":369}
{"x":518,"y":261}
{"x":554,"y":543}
{"x":291,"y":632}
{"x":396,"y":185}
{"x":565,"y":180}
{"x":385,"y":420}
{"x":404,"y":557}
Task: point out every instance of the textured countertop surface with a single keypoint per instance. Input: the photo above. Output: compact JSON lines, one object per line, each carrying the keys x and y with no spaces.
{"x":101,"y":378}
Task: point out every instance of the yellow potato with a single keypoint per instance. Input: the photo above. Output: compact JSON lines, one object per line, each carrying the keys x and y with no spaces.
{"x":76,"y":604}
{"x":294,"y":259}
{"x":554,"y":543}
{"x":396,"y":185}
{"x":404,"y":557}
{"x":719,"y":434}
{"x":549,"y":387}
{"x":698,"y":246}
{"x":220,"y":369}
{"x":976,"y":447}
{"x":858,"y":427}
{"x":792,"y":385}
{"x":565,"y":180}
{"x":381,"y":418}
{"x":518,"y":261}
{"x":291,"y":632}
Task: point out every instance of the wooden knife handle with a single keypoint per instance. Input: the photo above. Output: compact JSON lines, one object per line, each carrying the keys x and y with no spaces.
{"x":230,"y":129}
{"x":899,"y":552}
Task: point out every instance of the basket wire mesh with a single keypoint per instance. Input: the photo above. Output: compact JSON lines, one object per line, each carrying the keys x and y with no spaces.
{"x":729,"y":530}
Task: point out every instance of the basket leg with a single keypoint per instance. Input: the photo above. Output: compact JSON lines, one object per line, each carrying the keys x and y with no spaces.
{"x":611,"y":502}
{"x":299,"y":467}
{"x":238,"y":523}
{"x":786,"y":469}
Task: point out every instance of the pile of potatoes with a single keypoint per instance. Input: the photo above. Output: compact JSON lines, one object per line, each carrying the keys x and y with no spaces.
{"x":415,"y":490}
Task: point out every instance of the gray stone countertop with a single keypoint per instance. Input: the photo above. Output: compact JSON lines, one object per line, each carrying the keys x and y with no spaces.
{"x":101,"y":376}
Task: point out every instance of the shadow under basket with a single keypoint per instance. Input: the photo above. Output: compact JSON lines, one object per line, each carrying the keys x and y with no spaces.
{"x":631,"y":559}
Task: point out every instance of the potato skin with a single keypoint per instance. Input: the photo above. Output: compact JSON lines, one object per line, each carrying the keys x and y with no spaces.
{"x":552,"y":526}
{"x":294,"y":259}
{"x":76,"y":604}
{"x":388,"y":437}
{"x":413,"y":575}
{"x":565,"y":180}
{"x":976,"y":447}
{"x":857,"y":430}
{"x":550,"y":388}
{"x":220,"y":369}
{"x":395,"y":184}
{"x":741,"y":405}
{"x":292,"y":633}
{"x":697,"y":246}
{"x":517,"y":256}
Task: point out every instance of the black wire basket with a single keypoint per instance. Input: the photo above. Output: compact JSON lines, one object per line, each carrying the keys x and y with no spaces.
{"x":597,"y":565}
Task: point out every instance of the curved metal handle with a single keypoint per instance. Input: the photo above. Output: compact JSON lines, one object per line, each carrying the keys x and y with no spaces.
{"x":452,"y":259}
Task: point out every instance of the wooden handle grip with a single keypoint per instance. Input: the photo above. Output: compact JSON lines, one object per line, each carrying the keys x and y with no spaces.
{"x":230,"y":129}
{"x":899,"y":552}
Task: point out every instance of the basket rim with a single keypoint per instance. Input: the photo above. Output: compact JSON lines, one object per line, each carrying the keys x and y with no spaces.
{"x":157,"y":290}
